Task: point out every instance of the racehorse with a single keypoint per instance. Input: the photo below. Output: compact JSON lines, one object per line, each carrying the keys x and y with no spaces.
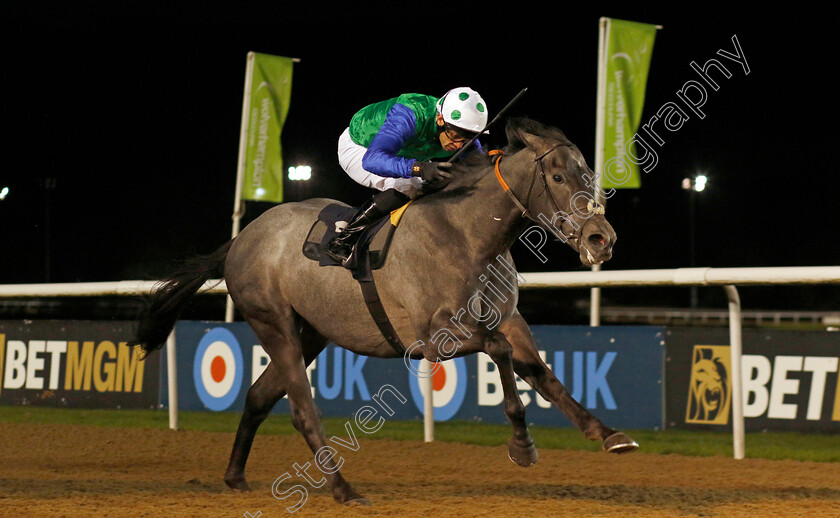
{"x":445,"y":241}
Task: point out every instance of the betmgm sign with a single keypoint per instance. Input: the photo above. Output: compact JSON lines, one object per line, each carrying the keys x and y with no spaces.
{"x":74,"y":364}
{"x":710,"y":388}
{"x":790,"y":379}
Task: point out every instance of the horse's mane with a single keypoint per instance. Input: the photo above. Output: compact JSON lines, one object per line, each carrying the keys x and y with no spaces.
{"x":532,"y":127}
{"x":474,"y":165}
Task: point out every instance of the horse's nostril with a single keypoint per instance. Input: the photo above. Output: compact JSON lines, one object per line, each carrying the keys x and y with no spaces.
{"x":597,"y":240}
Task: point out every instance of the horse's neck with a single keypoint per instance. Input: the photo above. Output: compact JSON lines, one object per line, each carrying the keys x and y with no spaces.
{"x":487,"y":221}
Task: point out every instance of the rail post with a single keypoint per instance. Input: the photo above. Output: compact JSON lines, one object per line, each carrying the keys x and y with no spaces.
{"x":427,"y":388}
{"x":172,"y":380}
{"x":738,"y":440}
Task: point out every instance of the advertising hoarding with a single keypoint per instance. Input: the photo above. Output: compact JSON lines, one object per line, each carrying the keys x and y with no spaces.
{"x":790,"y":379}
{"x":71,"y":363}
{"x":614,"y":371}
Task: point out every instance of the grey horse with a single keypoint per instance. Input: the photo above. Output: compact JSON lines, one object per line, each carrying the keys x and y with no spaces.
{"x":437,"y":264}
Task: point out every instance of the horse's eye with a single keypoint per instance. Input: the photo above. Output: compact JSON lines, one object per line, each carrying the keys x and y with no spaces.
{"x":557,"y":178}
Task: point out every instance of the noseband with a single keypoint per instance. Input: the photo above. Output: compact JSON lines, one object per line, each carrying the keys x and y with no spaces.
{"x":540,"y":170}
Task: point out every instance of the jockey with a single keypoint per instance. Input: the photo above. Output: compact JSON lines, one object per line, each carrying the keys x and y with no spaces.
{"x":389,"y":146}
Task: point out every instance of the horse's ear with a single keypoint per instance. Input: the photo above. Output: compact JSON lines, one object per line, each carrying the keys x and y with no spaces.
{"x":537,"y":144}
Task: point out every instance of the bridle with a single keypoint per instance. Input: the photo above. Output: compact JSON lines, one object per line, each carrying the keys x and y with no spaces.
{"x":539,"y":170}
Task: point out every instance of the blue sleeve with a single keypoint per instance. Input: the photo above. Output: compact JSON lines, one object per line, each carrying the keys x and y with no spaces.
{"x":381,"y":157}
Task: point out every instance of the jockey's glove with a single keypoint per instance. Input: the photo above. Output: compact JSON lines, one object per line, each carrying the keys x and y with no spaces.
{"x":432,"y":172}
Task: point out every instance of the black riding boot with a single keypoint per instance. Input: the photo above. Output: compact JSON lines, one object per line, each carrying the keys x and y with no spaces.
{"x":342,"y":246}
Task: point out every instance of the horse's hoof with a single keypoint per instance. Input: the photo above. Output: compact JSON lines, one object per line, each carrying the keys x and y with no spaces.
{"x":239,"y":485}
{"x":620,"y":443}
{"x":349,"y":497}
{"x":524,"y":456}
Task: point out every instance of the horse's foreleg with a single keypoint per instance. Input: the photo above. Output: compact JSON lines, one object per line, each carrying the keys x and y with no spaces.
{"x":282,"y":341}
{"x":520,"y":447}
{"x":261,"y":398}
{"x":530,"y":367}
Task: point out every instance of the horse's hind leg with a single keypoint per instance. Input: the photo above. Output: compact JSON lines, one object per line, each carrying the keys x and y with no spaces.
{"x":530,"y":367}
{"x":262,"y":396}
{"x":281,"y":339}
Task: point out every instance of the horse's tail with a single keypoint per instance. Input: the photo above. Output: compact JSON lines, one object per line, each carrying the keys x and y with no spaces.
{"x":166,"y":302}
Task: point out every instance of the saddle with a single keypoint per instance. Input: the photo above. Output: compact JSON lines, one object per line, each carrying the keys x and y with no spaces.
{"x":371,"y":248}
{"x":371,"y":252}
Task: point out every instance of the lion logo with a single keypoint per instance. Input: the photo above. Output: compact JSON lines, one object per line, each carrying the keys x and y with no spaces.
{"x":709,"y":392}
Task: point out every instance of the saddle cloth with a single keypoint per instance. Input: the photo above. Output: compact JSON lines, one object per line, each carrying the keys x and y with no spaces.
{"x":371,"y":249}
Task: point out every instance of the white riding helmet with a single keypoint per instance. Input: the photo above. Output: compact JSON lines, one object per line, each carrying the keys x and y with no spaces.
{"x":463,"y":108}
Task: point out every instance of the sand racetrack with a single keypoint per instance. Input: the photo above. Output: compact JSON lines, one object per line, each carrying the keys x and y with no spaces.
{"x":72,"y":470}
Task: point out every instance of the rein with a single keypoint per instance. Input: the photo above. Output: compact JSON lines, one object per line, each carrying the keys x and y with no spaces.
{"x":498,"y":154}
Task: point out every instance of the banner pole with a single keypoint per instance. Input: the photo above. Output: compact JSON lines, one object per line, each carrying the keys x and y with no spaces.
{"x":238,"y":208}
{"x":600,"y":116}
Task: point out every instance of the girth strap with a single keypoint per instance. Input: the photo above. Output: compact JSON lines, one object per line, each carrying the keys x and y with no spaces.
{"x":377,"y":311}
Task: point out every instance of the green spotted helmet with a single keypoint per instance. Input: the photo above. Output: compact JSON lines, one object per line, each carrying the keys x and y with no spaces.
{"x":463,"y":108}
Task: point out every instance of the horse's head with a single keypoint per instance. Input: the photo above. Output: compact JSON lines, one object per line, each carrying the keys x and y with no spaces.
{"x":561,"y":192}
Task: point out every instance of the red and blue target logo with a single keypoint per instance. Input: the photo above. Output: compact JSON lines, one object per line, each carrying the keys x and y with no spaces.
{"x":217,"y":369}
{"x":449,"y":385}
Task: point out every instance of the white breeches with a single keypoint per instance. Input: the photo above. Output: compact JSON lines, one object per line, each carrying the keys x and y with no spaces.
{"x":350,"y":157}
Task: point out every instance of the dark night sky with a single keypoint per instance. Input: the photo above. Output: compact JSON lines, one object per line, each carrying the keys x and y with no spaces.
{"x":135,"y":112}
